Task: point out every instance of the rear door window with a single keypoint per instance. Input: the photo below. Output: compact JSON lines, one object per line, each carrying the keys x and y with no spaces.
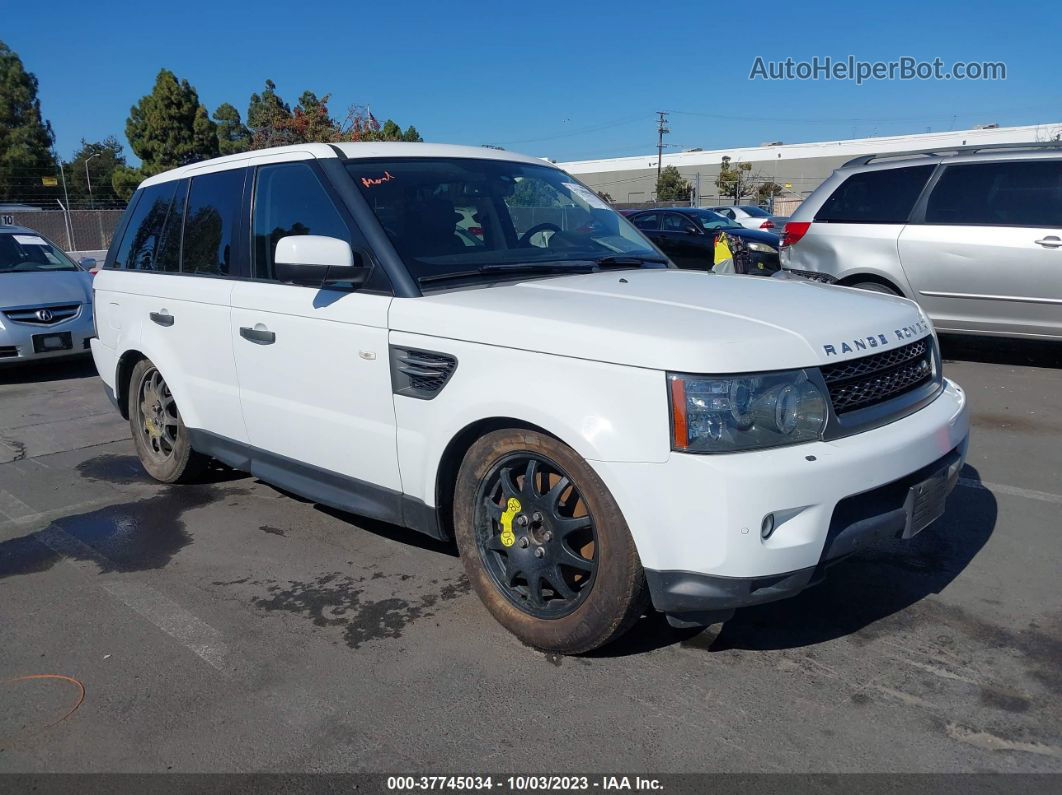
{"x":876,"y":197}
{"x":168,"y":258}
{"x":212,"y":221}
{"x":141,"y":239}
{"x":673,"y":222}
{"x":647,"y":221}
{"x":1015,"y":193}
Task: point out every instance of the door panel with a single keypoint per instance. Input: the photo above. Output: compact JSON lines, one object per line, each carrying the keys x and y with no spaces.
{"x":983,"y":278}
{"x":692,"y":248}
{"x":318,"y":391}
{"x":988,"y":253}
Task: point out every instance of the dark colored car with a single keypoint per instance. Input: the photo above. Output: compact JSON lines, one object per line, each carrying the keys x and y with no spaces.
{"x":687,"y":235}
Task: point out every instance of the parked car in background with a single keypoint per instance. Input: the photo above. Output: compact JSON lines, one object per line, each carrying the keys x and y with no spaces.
{"x":752,"y":217}
{"x":45,"y":299}
{"x":973,"y":234}
{"x":688,"y":234}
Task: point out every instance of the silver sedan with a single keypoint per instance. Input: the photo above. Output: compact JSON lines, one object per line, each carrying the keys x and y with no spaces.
{"x":45,"y":299}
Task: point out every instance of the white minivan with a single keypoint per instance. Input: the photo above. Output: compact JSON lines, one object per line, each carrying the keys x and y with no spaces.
{"x":596,"y":428}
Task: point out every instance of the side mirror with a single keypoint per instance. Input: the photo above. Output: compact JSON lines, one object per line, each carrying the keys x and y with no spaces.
{"x":692,"y":230}
{"x":314,"y":260}
{"x":88,"y":263}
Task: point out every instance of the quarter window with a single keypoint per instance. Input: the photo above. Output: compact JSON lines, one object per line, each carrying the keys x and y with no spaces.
{"x":168,"y":258}
{"x":141,"y":239}
{"x":1019,"y":193}
{"x":211,"y":222}
{"x":290,"y":200}
{"x":885,"y":196}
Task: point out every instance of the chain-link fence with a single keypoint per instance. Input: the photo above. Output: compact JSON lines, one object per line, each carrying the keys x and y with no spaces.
{"x":87,"y":230}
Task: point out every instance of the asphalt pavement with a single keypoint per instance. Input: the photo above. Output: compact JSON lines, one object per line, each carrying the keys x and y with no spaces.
{"x":229,"y":626}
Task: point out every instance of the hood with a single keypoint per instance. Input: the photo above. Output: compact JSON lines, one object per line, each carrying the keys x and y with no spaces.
{"x":42,"y":287}
{"x":671,"y":320}
{"x":759,"y":235}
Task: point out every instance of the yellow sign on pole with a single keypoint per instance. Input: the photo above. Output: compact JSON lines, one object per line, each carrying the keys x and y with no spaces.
{"x":49,"y":182}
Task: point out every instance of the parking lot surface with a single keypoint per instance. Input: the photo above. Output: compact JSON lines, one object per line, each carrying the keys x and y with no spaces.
{"x":229,"y":626}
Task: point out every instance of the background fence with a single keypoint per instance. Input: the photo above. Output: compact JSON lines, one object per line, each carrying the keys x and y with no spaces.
{"x":92,"y":229}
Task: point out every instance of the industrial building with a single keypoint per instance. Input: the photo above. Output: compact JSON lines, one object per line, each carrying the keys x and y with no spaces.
{"x":798,"y":168}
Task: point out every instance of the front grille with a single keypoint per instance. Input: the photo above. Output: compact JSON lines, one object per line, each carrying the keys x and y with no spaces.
{"x":8,"y":351}
{"x":419,"y":373}
{"x":43,"y":315}
{"x":864,"y":382}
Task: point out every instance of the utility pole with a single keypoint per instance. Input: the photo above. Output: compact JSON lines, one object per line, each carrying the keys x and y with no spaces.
{"x":661,"y":131}
{"x":66,"y":210}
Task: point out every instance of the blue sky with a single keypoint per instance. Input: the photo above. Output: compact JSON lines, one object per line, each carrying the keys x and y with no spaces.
{"x":568,"y":80}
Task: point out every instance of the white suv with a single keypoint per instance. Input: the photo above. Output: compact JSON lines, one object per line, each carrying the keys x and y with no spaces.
{"x":594,"y":426}
{"x":974,"y":235}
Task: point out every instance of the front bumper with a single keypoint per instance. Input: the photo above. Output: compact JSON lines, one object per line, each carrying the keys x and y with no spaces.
{"x":16,"y":339}
{"x":696,"y":518}
{"x":889,"y":511}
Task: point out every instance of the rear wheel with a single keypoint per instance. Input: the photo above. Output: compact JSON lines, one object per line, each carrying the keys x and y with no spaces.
{"x":159,"y":434}
{"x":544,"y":543}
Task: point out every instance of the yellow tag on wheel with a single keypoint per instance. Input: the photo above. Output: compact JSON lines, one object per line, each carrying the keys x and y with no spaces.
{"x":508,"y":538}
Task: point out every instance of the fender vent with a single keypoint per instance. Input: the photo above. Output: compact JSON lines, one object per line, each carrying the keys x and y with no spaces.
{"x":418,"y":373}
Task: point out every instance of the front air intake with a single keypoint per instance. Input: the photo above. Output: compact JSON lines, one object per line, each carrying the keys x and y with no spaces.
{"x":418,"y":373}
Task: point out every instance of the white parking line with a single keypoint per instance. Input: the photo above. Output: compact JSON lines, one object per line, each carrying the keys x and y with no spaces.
{"x":1014,"y":491}
{"x":195,"y":635}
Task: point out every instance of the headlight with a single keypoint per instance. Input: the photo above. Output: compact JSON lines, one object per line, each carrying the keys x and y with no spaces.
{"x":763,"y":248}
{"x":723,"y":414}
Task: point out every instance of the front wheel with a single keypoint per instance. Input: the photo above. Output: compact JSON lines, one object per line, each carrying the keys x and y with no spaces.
{"x":544,"y":543}
{"x":159,"y":434}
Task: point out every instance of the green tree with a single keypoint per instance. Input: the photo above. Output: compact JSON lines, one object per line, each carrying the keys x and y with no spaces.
{"x":671,"y":186}
{"x":169,"y":127}
{"x":233,"y":135}
{"x":25,"y":137}
{"x":124,"y":181}
{"x":101,"y":159}
{"x":766,"y":191}
{"x":269,"y":119}
{"x":735,"y":180}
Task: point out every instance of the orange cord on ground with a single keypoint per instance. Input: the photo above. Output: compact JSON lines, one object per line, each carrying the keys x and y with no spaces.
{"x":72,"y":680}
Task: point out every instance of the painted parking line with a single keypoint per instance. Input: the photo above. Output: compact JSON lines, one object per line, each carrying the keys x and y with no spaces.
{"x":191,"y":632}
{"x":1014,"y":491}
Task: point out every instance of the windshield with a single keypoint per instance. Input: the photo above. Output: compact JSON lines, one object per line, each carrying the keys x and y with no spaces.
{"x":710,"y":220}
{"x":20,"y":253}
{"x":755,"y":212}
{"x":455,"y":215}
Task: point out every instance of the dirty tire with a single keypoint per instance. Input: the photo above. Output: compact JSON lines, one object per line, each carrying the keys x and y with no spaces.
{"x":874,"y":287}
{"x":615,"y":593}
{"x":168,"y":457}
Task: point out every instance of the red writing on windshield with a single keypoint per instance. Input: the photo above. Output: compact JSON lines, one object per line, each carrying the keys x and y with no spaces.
{"x":370,"y":182}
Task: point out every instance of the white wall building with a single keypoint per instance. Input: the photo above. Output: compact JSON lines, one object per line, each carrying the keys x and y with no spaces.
{"x":800,"y":166}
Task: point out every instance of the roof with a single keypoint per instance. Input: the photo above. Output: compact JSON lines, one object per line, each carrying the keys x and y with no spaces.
{"x":17,"y":230}
{"x":846,"y":148}
{"x":353,"y":150}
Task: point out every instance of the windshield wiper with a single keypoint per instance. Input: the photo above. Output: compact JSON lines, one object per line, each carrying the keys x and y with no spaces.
{"x":517,"y":268}
{"x":628,"y":260}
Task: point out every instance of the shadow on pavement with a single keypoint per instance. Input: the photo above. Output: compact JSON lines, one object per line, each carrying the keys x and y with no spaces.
{"x":41,"y":372}
{"x":997,"y":350}
{"x":876,"y":583}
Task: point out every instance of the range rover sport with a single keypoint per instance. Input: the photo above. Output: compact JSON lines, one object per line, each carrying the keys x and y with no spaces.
{"x":595,"y":428}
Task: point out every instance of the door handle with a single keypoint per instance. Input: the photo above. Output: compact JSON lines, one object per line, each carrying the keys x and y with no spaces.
{"x":1051,"y":241}
{"x":161,"y":319}
{"x":258,"y":336}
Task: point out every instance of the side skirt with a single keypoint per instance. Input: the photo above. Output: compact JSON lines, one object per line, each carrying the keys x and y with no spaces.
{"x":321,"y":485}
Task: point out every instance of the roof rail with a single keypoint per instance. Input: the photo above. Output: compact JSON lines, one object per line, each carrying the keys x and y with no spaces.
{"x":940,"y":151}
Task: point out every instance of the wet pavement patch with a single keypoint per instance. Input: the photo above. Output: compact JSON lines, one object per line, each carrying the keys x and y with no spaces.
{"x":133,"y":536}
{"x":123,"y":469}
{"x":338,"y":600}
{"x":275,"y":531}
